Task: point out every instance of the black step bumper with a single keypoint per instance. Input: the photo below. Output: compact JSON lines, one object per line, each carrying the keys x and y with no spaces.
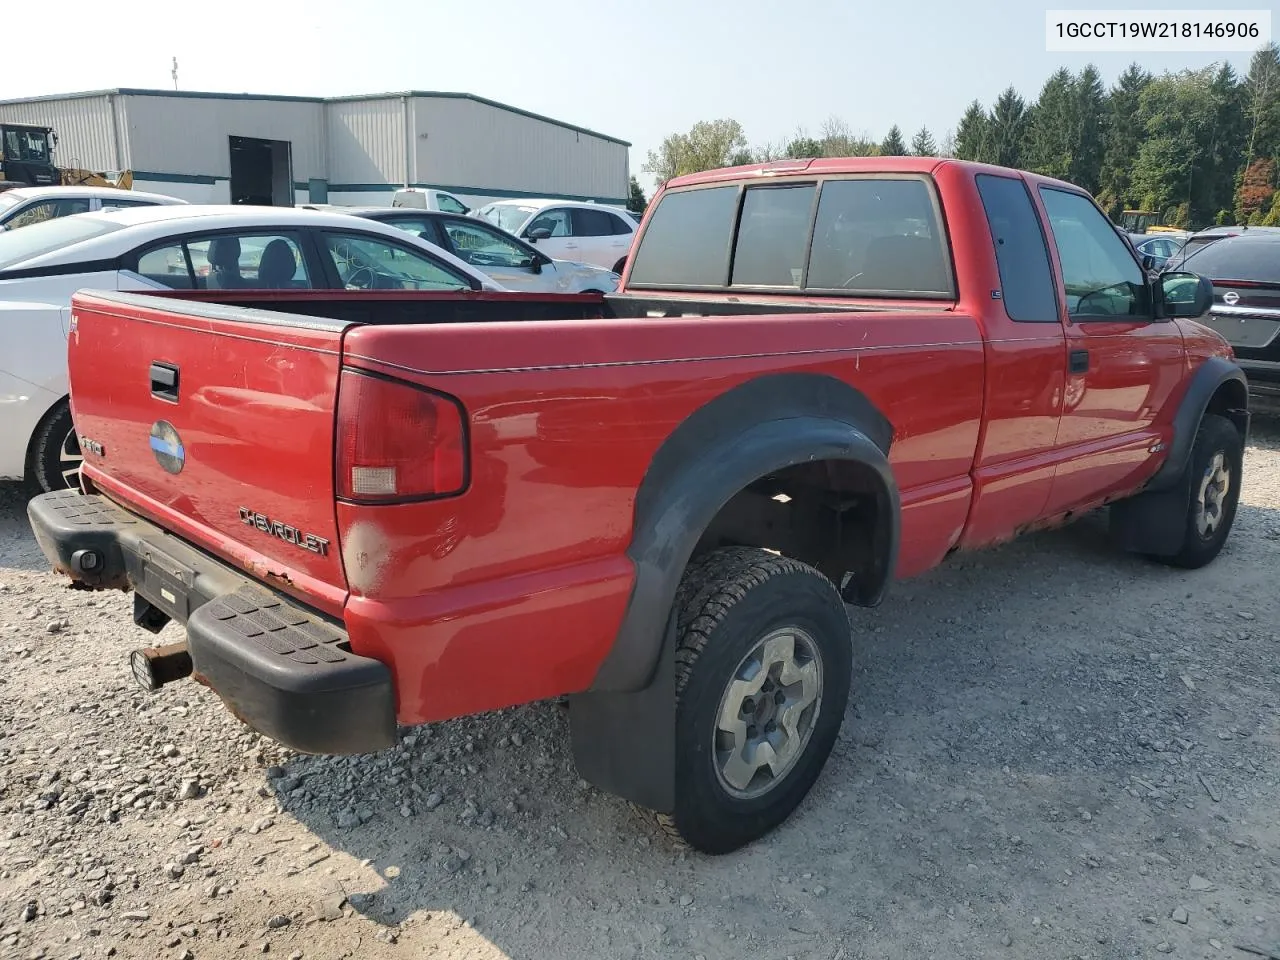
{"x":283,"y":669}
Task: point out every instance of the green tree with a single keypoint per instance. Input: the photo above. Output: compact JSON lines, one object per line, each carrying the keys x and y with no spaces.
{"x":893,"y":145}
{"x":637,"y":202}
{"x":1179,"y":116}
{"x":923,"y":145}
{"x":1262,"y":104}
{"x":1088,"y":129}
{"x":1008,"y":128}
{"x":802,"y":146}
{"x":1123,"y":135}
{"x":1051,"y":133}
{"x":973,"y":135}
{"x":708,"y":145}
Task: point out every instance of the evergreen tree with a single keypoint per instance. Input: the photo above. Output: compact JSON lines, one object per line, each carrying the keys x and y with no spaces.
{"x":973,"y":135}
{"x":1123,"y":134}
{"x":1262,"y":104}
{"x":1089,"y":134}
{"x":922,"y":144}
{"x":637,"y":201}
{"x":1051,"y":133}
{"x":1008,"y":128}
{"x":893,"y":144}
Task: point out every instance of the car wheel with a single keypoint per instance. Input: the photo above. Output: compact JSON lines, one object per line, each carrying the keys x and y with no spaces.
{"x":617,"y":267}
{"x":1217,"y":459}
{"x":55,"y":457}
{"x":762,"y":680}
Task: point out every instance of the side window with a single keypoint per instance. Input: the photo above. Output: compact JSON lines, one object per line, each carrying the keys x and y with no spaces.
{"x":69,"y":208}
{"x":1102,"y":279}
{"x":879,"y":237}
{"x":591,"y":223}
{"x":483,"y":247}
{"x":771,"y":236}
{"x":620,"y":228}
{"x":557,"y":221}
{"x":687,"y":241}
{"x":36,"y":213}
{"x":365,"y":262}
{"x":1026,"y":282}
{"x":420,"y":227}
{"x":228,"y":262}
{"x":169,"y":266}
{"x":114,"y":204}
{"x":449,"y":204}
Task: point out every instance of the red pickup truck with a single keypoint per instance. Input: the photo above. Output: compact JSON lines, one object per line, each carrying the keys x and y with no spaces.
{"x":374,"y":507}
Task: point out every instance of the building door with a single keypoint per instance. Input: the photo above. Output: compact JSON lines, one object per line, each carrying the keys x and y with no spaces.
{"x":261,"y":172}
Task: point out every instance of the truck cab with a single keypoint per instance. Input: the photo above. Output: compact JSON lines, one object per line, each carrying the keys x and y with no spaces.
{"x":26,"y":156}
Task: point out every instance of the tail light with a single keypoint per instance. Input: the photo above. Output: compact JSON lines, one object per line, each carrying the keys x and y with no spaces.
{"x":397,"y":441}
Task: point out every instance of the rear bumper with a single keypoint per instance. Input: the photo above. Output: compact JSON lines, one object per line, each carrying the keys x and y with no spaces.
{"x":284,"y":670}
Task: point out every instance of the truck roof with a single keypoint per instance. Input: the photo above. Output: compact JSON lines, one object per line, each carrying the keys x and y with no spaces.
{"x":839,"y":165}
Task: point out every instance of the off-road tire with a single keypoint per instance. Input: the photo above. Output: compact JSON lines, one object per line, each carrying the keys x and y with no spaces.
{"x":1216,"y":437}
{"x":727,"y":601}
{"x":44,"y":460}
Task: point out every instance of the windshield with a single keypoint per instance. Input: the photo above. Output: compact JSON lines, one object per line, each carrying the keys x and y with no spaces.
{"x":29,"y":145}
{"x":508,"y":216}
{"x":1237,"y":258}
{"x":38,"y":239}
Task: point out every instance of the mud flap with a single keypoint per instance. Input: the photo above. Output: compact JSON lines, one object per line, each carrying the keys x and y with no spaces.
{"x":624,"y":743}
{"x":1152,"y":523}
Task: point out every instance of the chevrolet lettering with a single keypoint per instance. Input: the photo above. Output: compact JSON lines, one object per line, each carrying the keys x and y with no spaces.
{"x":285,"y":532}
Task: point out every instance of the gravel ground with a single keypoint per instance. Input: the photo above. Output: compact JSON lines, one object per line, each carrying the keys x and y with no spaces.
{"x":1052,"y":751}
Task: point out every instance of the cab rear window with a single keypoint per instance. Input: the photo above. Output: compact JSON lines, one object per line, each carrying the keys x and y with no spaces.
{"x":856,"y":236}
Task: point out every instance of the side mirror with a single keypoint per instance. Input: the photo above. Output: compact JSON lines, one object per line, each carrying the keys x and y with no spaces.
{"x":1185,"y":295}
{"x":539,"y":233}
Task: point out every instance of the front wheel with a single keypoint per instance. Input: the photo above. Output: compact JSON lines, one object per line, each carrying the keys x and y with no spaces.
{"x":1216,"y":466}
{"x":55,"y":458}
{"x":762,"y":680}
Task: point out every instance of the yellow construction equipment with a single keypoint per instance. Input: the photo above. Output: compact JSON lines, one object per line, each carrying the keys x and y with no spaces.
{"x":26,"y":160}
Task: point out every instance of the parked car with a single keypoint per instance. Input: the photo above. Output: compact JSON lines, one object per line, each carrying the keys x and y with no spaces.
{"x":815,"y":379}
{"x":184,"y":247}
{"x":1160,"y":247}
{"x":567,"y":229}
{"x":1203,"y":238}
{"x":418,"y":198}
{"x":512,"y":262}
{"x":23,"y":206}
{"x":1245,"y":270}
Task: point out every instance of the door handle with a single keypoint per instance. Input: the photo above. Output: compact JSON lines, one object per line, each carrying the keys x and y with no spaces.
{"x":1079,"y":361}
{"x":164,"y":381}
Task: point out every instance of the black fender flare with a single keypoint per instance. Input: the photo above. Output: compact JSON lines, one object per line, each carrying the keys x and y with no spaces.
{"x":760,"y":427}
{"x":1205,"y":383}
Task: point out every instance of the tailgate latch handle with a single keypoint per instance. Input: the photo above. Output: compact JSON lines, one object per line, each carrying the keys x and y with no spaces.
{"x":164,"y":381}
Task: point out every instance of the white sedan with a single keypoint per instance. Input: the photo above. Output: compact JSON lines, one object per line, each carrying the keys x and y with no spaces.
{"x":567,"y":229}
{"x":24,"y":206}
{"x":171,"y":247}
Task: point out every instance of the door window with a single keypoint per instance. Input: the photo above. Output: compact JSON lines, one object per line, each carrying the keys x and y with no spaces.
{"x":365,"y":262}
{"x":1101,"y":277}
{"x":483,"y":247}
{"x":228,"y":262}
{"x":47,"y":210}
{"x":592,"y":223}
{"x":557,"y":221}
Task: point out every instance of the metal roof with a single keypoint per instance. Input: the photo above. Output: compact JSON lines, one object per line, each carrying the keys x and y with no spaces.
{"x":206,"y":95}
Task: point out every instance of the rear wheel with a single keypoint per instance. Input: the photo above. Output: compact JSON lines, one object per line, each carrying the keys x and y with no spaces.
{"x":55,"y":457}
{"x":617,"y":267}
{"x":762,"y":681}
{"x":1217,"y":459}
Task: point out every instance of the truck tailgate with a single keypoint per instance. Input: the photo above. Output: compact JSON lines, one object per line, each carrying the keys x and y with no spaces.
{"x":218,"y":423}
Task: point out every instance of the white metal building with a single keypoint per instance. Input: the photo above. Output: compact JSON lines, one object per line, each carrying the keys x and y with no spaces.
{"x":223,"y":147}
